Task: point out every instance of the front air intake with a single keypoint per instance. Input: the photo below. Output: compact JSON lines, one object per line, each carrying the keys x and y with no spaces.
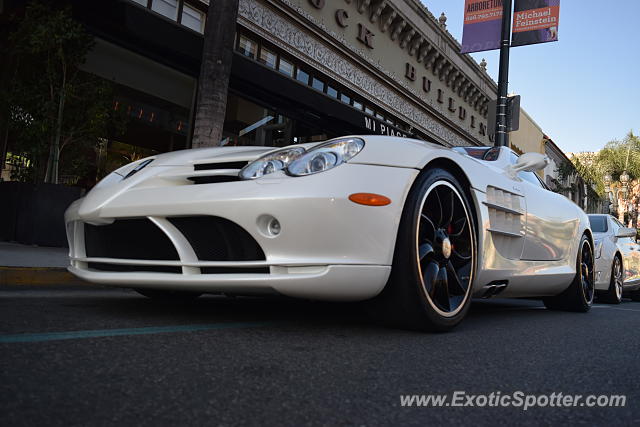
{"x":218,"y":239}
{"x":136,"y":238}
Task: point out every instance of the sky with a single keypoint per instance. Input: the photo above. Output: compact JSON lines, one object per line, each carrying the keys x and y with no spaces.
{"x":584,"y":89}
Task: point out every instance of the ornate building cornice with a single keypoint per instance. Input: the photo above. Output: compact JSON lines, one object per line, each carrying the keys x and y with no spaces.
{"x":301,"y":42}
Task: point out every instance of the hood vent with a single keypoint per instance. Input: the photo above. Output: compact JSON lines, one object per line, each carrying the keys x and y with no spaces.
{"x":214,"y":173}
{"x":217,"y":166}
{"x":213,"y":179}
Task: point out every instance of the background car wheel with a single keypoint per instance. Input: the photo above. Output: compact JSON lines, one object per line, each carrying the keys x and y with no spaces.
{"x":166,"y":295}
{"x":614,"y":293}
{"x":435,"y":256}
{"x":579,"y":295}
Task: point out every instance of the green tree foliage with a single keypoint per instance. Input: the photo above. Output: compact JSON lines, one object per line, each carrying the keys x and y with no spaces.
{"x":613,"y":159}
{"x":618,"y":156}
{"x":57,"y":113}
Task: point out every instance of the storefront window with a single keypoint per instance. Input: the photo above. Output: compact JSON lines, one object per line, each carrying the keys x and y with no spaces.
{"x":268,"y":58}
{"x":247,"y":47}
{"x":247,"y":123}
{"x":302,"y":76}
{"x":357,"y":105}
{"x":193,"y":18}
{"x":285,"y":67}
{"x":344,"y":98}
{"x":317,"y":84}
{"x":368,"y":110}
{"x":332,"y":92}
{"x":168,"y":8}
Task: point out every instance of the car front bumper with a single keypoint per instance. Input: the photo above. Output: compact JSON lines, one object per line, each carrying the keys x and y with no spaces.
{"x":328,"y":248}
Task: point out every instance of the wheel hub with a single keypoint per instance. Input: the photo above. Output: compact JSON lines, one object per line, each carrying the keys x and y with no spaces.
{"x":443,"y":243}
{"x":446,"y":248}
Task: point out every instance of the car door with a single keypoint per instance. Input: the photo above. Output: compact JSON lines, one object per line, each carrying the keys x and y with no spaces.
{"x":551,"y":220}
{"x":630,"y":251}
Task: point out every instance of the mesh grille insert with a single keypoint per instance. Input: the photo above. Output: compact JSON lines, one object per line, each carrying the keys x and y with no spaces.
{"x":130,"y":268}
{"x":232,"y":270}
{"x":218,"y":239}
{"x":136,"y":238}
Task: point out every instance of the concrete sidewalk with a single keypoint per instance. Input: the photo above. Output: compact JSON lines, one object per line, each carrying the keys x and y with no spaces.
{"x":17,"y":255}
{"x":34,"y":265}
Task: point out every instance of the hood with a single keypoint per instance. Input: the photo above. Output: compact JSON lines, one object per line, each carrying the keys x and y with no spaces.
{"x":210,"y":155}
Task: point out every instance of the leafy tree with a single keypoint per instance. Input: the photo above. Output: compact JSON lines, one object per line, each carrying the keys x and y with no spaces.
{"x":613,"y":159}
{"x":618,"y":156}
{"x":54,"y":106}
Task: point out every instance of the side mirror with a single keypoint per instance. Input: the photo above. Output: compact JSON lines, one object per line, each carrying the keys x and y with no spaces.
{"x":626,"y":232}
{"x":529,"y":162}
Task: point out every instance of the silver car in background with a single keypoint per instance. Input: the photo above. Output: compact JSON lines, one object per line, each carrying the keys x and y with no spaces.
{"x":617,"y":259}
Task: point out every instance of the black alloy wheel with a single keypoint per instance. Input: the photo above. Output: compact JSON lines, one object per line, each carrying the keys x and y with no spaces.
{"x":579,"y":295}
{"x":614,"y":293}
{"x":435,"y":256}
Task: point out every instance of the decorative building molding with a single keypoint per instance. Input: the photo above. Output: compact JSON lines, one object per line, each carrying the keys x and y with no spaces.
{"x":301,"y":43}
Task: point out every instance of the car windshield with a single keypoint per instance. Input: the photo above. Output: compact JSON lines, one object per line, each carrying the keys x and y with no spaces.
{"x":482,"y":153}
{"x":598,"y":224}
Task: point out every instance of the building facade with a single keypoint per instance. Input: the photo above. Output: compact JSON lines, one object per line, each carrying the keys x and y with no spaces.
{"x":303,"y":70}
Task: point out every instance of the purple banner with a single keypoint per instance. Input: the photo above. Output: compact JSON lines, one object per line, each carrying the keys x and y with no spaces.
{"x":482,"y":25}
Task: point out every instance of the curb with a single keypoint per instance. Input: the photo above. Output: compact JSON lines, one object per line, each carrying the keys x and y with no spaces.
{"x":38,"y":276}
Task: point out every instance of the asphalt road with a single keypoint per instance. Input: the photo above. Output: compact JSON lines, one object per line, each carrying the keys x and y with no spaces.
{"x":83,"y":356}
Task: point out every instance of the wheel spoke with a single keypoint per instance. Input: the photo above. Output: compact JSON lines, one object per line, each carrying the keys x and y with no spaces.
{"x":587,"y":287}
{"x":424,"y":250}
{"x":447,"y":210}
{"x":458,"y":229}
{"x":437,"y":208}
{"x":460,"y":256}
{"x":429,"y":277}
{"x":455,"y":285}
{"x":429,"y":228}
{"x":441,"y":294}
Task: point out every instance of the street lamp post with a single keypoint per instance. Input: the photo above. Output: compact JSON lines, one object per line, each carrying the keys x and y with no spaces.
{"x":619,"y":195}
{"x":624,"y":181}
{"x":607,"y":189}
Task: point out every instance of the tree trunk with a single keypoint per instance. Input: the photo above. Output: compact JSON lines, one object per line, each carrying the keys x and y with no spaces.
{"x":56,"y":142}
{"x":215,"y":70}
{"x":4,"y":141}
{"x":7,"y":70}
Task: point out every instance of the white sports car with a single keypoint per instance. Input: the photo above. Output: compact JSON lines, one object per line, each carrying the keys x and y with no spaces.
{"x":421,"y":227}
{"x":617,"y":259}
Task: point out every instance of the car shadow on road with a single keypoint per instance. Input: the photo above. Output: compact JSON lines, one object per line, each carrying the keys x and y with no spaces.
{"x":216,"y":308}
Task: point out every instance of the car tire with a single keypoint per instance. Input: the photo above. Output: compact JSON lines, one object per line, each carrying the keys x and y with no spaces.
{"x":435,"y":256}
{"x":614,"y":293}
{"x":579,"y":295}
{"x":168,"y":295}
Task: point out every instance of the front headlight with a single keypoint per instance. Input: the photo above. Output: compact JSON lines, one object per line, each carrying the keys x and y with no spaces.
{"x":270,"y":163}
{"x":326,"y":156}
